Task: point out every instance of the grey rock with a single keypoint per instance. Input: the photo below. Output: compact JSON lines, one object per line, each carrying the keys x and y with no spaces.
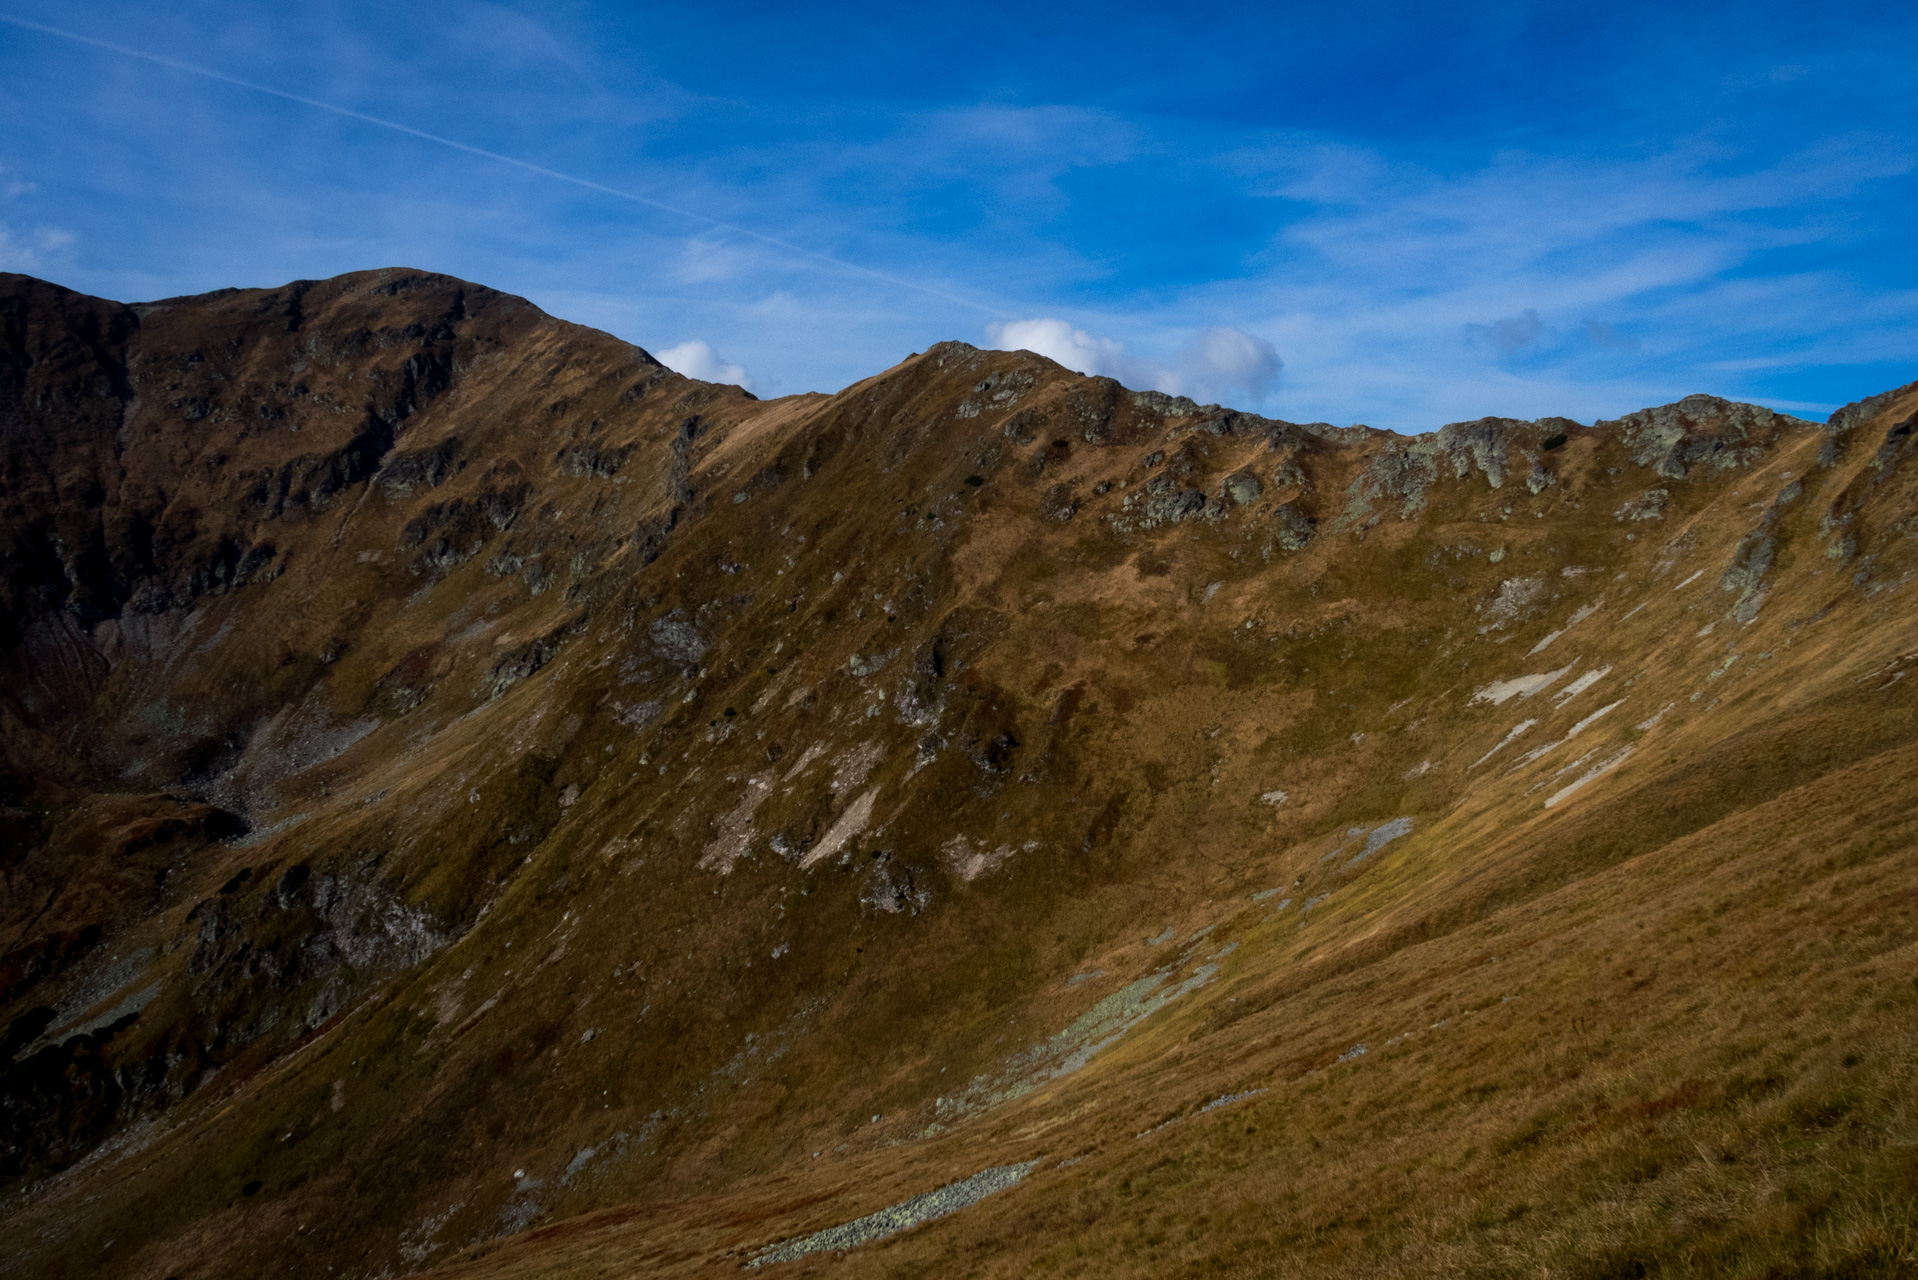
{"x":677,"y":640}
{"x":1754,"y":555}
{"x":892,"y":887}
{"x":1844,"y":421}
{"x":1294,"y":527}
{"x":1649,"y":505}
{"x":1164,"y":405}
{"x":1480,"y":444}
{"x":1405,"y":471}
{"x":1382,"y":835}
{"x":1166,"y":503}
{"x":592,"y":460}
{"x":1243,"y":488}
{"x":1672,"y":438}
{"x":639,"y":715}
{"x":421,"y":468}
{"x":1515,"y":596}
{"x":1402,"y":476}
{"x":1900,"y":444}
{"x":1226,"y":1100}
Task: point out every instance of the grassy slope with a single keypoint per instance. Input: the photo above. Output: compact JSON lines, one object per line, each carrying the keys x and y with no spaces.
{"x":1702,"y":1062}
{"x":1670,"y":1031}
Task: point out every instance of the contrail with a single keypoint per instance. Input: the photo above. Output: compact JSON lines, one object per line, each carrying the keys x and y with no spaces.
{"x":599,"y":187}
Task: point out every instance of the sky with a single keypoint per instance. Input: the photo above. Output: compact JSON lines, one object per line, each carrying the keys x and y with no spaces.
{"x":1402,"y":214}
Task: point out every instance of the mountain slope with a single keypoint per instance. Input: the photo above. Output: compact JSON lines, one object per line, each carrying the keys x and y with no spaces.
{"x":481,"y":801}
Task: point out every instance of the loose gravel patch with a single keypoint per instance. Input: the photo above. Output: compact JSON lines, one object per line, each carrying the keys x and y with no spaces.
{"x":1227,"y":1100}
{"x":1383,"y":835}
{"x":896,"y":1218}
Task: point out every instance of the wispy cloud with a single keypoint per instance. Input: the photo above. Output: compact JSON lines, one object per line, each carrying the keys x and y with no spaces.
{"x":35,"y":250}
{"x":545,"y":171}
{"x":1580,"y":287}
{"x":704,"y":260}
{"x":820,"y":229}
{"x":1526,"y":286}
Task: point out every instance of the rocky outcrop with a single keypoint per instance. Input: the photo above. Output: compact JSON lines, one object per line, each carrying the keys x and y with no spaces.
{"x":1700,"y":430}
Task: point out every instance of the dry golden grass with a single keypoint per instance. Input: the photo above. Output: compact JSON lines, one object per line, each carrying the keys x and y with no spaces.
{"x":1663,"y":1027}
{"x":1699,"y":1061}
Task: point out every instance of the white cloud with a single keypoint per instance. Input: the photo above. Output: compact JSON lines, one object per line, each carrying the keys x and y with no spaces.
{"x":1221,"y":361}
{"x":1216,"y":364}
{"x":697,"y":359}
{"x":33,"y":251}
{"x":1074,"y":348}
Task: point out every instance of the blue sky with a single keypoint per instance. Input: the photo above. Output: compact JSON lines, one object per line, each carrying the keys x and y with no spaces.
{"x":1399,"y":214}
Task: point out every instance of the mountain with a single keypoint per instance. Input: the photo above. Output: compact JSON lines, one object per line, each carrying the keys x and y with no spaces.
{"x":480,"y":803}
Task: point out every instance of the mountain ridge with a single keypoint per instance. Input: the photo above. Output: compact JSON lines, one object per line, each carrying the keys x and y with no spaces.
{"x":366,"y":636}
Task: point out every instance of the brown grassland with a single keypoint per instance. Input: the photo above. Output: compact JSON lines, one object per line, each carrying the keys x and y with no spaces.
{"x":479,"y":804}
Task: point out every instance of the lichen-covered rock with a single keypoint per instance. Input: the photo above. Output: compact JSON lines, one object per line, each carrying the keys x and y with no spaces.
{"x":677,"y":639}
{"x":1673,"y":438}
{"x":1482,"y":443}
{"x":1167,"y":503}
{"x":1292,"y":527}
{"x":1164,"y":405}
{"x":1514,"y":600}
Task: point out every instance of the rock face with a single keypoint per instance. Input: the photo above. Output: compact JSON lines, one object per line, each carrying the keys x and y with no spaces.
{"x":460,"y":777}
{"x":1699,"y":429}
